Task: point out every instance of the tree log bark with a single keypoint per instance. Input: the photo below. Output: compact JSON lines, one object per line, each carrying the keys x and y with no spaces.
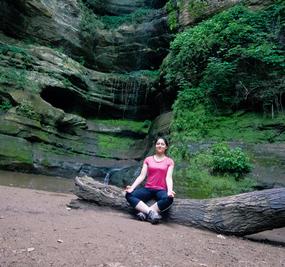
{"x":239,"y":215}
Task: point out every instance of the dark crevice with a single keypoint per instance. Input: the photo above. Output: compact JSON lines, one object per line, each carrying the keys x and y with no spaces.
{"x":76,"y":81}
{"x":65,"y":99}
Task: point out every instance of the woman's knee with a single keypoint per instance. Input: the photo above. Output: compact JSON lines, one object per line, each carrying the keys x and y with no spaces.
{"x":128,"y":196}
{"x":165,"y":203}
{"x":132,"y":200}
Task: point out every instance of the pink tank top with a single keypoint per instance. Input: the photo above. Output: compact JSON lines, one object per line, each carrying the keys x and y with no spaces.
{"x":156,"y":172}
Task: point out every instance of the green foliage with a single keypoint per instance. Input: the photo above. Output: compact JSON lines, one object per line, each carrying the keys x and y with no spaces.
{"x":17,"y":78}
{"x":81,"y":60}
{"x":152,"y":75}
{"x":16,"y":52}
{"x":111,"y":22}
{"x":67,"y":83}
{"x":190,"y":118}
{"x":26,"y":109}
{"x":235,"y":59}
{"x":246,"y":127}
{"x":198,"y":181}
{"x":222,"y":68}
{"x":197,"y":7}
{"x":89,"y":22}
{"x":5,"y":104}
{"x":197,"y":125}
{"x":146,"y":124}
{"x":172,"y":20}
{"x":230,"y":160}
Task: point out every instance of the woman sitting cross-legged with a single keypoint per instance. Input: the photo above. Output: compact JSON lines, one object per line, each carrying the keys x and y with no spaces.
{"x":159,"y":184}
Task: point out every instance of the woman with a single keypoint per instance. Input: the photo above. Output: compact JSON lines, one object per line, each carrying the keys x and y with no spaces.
{"x":159,"y":184}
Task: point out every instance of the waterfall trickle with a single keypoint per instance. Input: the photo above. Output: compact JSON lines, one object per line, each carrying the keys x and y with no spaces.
{"x":108,"y":174}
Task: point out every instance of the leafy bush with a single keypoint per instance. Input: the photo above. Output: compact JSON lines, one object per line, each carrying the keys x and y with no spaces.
{"x":235,"y":59}
{"x":230,"y":160}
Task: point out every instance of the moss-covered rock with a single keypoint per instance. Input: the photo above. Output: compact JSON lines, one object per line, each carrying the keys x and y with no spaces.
{"x":53,"y":77}
{"x":15,"y":153}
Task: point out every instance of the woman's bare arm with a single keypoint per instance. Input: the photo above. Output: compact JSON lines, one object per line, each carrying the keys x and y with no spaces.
{"x":169,"y":181}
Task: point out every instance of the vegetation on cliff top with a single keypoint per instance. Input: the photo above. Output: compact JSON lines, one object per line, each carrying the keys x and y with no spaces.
{"x":231,"y":62}
{"x":229,"y":75}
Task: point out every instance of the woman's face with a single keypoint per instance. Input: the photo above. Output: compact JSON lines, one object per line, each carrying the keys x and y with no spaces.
{"x":160,"y":146}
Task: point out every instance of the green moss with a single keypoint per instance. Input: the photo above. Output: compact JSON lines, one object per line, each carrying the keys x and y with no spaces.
{"x":17,"y":79}
{"x":249,"y":127}
{"x":26,"y":109}
{"x":199,"y":184}
{"x":9,"y":127}
{"x":198,"y":181}
{"x":135,"y":126}
{"x":109,"y":145}
{"x":151,"y":75}
{"x":15,"y":52}
{"x":15,"y":150}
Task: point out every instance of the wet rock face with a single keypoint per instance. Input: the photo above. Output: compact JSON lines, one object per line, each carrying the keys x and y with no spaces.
{"x":128,"y":47}
{"x":67,"y":85}
{"x":46,"y":22}
{"x":132,"y":46}
{"x":46,"y":90}
{"x":115,"y":7}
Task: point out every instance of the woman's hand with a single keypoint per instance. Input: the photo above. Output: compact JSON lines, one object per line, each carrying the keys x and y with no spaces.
{"x":171,"y":193}
{"x":129,"y":189}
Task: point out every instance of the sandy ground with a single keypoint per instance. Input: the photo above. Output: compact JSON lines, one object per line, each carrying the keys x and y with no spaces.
{"x":37,"y":229}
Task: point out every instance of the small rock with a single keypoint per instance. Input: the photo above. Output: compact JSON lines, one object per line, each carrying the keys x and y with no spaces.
{"x":221,"y":236}
{"x":59,"y":241}
{"x":30,"y":249}
{"x":68,"y":208}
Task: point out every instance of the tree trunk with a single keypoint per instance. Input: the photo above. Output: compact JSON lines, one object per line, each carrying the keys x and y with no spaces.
{"x":239,"y":215}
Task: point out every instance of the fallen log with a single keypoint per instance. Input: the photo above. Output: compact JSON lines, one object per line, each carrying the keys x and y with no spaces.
{"x":239,"y":215}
